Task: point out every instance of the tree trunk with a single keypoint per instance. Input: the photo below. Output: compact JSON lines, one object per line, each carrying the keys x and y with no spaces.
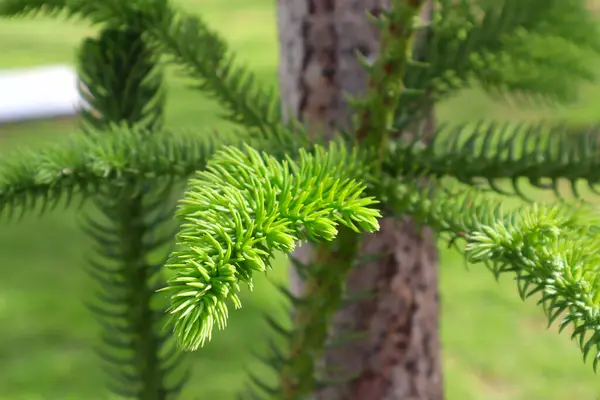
{"x":399,"y":357}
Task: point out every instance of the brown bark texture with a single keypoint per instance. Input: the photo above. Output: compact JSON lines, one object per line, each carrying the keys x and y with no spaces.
{"x":399,"y":357}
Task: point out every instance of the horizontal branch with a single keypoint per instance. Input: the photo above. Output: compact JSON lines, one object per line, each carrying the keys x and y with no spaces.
{"x":78,"y":165}
{"x":484,"y":154}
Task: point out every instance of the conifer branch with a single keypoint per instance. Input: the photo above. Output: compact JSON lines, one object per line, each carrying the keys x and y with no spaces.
{"x":124,"y":238}
{"x":78,"y":165}
{"x":220,"y":76}
{"x":19,"y":8}
{"x":119,"y":86}
{"x":554,"y":256}
{"x":488,"y":152}
{"x":114,"y":13}
{"x":552,"y":250}
{"x":122,"y":83}
{"x":536,"y":48}
{"x":243,"y":208}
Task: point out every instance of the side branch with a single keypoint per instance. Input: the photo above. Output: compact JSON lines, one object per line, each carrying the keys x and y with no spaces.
{"x":553,"y":251}
{"x":489,"y":152}
{"x":79,"y":165}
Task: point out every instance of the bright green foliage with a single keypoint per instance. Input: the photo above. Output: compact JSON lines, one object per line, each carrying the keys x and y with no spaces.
{"x":243,"y":208}
{"x":269,"y":188}
{"x":552,"y":250}
{"x":553,"y":255}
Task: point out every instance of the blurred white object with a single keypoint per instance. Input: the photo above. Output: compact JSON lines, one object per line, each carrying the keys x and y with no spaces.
{"x":41,"y":92}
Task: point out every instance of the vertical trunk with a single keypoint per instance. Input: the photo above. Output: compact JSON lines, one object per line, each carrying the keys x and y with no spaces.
{"x":399,"y":357}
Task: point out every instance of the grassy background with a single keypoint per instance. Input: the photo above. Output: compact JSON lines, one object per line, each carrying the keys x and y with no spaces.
{"x":495,"y":347}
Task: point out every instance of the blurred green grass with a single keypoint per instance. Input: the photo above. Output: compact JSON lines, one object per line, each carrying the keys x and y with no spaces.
{"x":495,"y":347}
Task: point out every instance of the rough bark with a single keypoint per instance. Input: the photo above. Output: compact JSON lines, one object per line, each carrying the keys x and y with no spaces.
{"x":399,"y":359}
